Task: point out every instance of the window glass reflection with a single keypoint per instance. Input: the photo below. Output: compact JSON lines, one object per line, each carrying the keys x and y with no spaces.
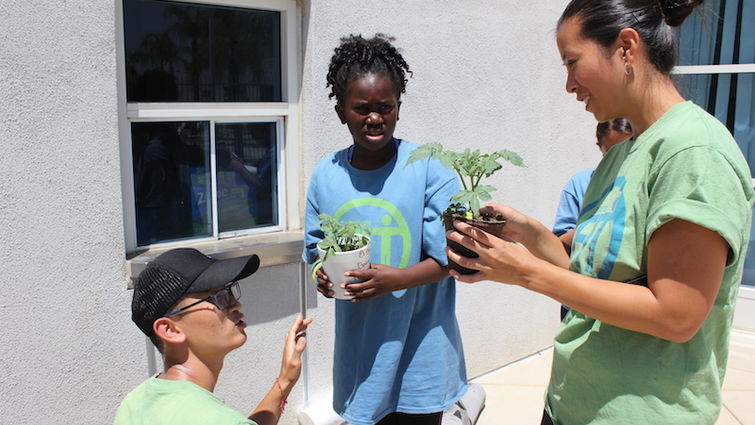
{"x":723,"y":34}
{"x":730,"y":98}
{"x":183,"y":52}
{"x":171,"y":181}
{"x":246,"y":156}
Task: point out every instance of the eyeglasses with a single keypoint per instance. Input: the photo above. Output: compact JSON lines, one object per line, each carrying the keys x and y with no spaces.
{"x":222,"y":299}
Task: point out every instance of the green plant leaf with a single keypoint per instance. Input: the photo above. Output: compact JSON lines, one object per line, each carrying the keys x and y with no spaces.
{"x":427,"y":150}
{"x":471,"y":166}
{"x":463,"y":196}
{"x":484,"y":195}
{"x":474,"y":205}
{"x":340,"y":237}
{"x":485,"y":188}
{"x":511,"y":157}
{"x":489,"y":165}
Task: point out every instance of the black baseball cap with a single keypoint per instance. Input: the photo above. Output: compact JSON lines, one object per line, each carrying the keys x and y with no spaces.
{"x":180,"y":271}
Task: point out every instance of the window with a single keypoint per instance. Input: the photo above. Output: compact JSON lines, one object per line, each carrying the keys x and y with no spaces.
{"x":183,"y":52}
{"x":717,"y":58}
{"x":208,"y":119}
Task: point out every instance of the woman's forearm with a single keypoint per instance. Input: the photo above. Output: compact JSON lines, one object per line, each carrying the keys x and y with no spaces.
{"x":543,"y":244}
{"x":653,"y":310}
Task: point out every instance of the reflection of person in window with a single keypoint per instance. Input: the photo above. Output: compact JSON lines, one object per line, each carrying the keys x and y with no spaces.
{"x":239,"y":185}
{"x":259,"y":193}
{"x":162,"y":208}
{"x":246,"y":172}
{"x":265,"y":195}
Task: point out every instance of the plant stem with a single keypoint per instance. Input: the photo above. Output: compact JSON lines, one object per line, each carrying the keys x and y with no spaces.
{"x":474,"y":185}
{"x":463,"y":183}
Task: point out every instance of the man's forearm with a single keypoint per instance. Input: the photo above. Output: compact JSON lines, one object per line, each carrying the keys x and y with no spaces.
{"x":269,"y":410}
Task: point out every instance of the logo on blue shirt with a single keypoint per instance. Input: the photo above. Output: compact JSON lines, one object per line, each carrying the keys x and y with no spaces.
{"x":392,"y":225}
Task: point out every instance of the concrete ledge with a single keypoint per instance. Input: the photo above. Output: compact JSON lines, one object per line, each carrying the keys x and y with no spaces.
{"x":272,"y":248}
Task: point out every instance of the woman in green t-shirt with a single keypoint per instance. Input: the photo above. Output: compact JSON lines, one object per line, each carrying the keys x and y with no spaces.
{"x":660,"y":242}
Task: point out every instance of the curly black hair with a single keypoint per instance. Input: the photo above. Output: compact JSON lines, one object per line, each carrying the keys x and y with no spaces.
{"x":358,"y":56}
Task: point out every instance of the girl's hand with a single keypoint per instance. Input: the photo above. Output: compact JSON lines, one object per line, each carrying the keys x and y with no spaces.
{"x":379,"y":280}
{"x":324,"y":285}
{"x":499,"y":260}
{"x":293,"y":347}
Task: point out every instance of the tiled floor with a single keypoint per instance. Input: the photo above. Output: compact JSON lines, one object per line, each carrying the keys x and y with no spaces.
{"x":515,"y":392}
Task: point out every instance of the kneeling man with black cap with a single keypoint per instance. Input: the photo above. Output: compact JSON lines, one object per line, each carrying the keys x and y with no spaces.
{"x":188,"y":305}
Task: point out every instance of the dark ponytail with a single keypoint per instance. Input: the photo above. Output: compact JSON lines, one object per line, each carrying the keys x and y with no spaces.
{"x":676,"y":11}
{"x":621,"y":125}
{"x":602,"y":20}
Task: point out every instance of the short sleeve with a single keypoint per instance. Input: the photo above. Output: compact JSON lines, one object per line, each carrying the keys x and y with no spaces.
{"x":441,"y":185}
{"x":699,"y":185}
{"x":312,"y":232}
{"x":567,"y":212}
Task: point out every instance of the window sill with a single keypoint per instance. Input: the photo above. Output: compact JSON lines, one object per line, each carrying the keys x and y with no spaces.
{"x":272,"y":248}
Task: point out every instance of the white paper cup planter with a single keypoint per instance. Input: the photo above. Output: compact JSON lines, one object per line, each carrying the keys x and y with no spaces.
{"x":340,"y":262}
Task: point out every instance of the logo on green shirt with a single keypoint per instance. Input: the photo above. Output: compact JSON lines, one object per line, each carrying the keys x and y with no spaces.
{"x":598,"y":237}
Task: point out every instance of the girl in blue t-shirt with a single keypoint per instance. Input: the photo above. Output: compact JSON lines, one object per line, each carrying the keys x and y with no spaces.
{"x":398,"y":357}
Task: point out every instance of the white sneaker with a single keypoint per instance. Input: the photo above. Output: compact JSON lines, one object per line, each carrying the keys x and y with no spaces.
{"x":467,"y":410}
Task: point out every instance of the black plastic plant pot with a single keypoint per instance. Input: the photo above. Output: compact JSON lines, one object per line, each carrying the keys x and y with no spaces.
{"x":489,"y":224}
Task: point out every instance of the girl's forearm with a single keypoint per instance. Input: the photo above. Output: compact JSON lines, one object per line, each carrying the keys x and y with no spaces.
{"x":422,"y":273}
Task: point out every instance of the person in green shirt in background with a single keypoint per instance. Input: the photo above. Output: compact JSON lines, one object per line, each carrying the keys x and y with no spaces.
{"x":658,"y":251}
{"x":188,"y":305}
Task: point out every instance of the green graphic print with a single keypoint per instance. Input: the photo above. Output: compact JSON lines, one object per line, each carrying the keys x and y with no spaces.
{"x":392,"y":225}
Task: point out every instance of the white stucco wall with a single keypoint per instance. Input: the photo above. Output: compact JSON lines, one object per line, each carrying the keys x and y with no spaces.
{"x":487,"y":76}
{"x":67,"y":352}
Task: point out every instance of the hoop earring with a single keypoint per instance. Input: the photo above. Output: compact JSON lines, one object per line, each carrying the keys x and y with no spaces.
{"x":627,"y":68}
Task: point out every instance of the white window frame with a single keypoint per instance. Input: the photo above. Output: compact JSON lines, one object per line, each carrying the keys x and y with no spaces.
{"x":745,"y":68}
{"x":285,"y":114}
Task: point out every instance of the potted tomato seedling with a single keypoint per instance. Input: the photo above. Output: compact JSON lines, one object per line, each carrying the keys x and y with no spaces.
{"x":345,"y":246}
{"x":471,"y":166}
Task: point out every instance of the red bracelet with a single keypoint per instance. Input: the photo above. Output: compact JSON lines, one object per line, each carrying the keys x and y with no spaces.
{"x":282,"y":405}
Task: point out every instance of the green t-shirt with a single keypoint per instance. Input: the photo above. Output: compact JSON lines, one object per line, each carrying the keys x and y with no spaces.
{"x":164,"y":402}
{"x":686,"y":166}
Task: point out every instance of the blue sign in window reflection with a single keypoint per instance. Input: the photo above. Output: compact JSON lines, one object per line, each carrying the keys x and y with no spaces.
{"x":246,"y":158}
{"x":172,"y":180}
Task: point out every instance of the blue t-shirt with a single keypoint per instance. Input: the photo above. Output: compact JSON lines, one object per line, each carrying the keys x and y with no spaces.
{"x":401,"y":351}
{"x":571,"y":200}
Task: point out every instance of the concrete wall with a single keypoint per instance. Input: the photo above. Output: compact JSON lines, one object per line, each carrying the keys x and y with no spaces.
{"x":487,"y":75}
{"x":67,"y":350}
